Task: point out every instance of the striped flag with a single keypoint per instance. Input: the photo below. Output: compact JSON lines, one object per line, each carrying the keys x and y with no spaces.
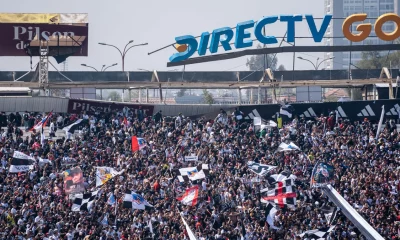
{"x":75,"y":126}
{"x":21,"y":163}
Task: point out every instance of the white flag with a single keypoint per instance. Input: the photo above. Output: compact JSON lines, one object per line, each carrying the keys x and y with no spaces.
{"x":103,"y":174}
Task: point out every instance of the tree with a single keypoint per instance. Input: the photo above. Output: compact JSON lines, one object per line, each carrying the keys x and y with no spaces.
{"x":114,"y":96}
{"x":281,"y":68}
{"x":378,"y":60}
{"x":256,"y":62}
{"x":207,"y":97}
{"x":181,"y":92}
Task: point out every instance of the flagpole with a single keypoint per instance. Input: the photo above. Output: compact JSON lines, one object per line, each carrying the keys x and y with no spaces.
{"x":116,"y":207}
{"x":380,"y":122}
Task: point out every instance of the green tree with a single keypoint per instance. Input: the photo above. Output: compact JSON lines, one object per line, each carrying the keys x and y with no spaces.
{"x":181,"y":92}
{"x":378,"y":60}
{"x":114,"y":96}
{"x":281,"y":68}
{"x":207,"y":97}
{"x":256,"y":62}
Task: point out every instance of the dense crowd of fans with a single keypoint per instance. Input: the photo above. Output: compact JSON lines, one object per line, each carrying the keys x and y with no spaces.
{"x":33,"y":204}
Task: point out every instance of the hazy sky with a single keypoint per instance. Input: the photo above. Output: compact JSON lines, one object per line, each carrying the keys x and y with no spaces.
{"x":158,"y":23}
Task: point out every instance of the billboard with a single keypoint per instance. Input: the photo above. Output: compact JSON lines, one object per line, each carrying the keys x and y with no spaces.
{"x":80,"y":106}
{"x":64,"y":34}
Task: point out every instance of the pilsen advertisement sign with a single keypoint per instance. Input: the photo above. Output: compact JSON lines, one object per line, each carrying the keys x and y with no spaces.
{"x":187,"y":45}
{"x":15,"y":37}
{"x":80,"y":106}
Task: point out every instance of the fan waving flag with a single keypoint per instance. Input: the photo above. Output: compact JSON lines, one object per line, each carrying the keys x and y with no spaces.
{"x":283,"y":196}
{"x":322,"y":174}
{"x":84,"y":202}
{"x":76,"y":125}
{"x":260,"y":169}
{"x":330,"y":213}
{"x":111,"y":200}
{"x":273,"y":179}
{"x":42,"y":123}
{"x":317,"y":234}
{"x":287,"y":147}
{"x":21,"y":163}
{"x":137,"y":144}
{"x":193,"y":173}
{"x":287,"y":110}
{"x":135,"y":201}
{"x":190,"y":196}
{"x":270,"y":212}
{"x":103,"y":174}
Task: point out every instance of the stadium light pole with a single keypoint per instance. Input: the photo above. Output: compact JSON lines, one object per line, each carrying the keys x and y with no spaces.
{"x":115,"y":64}
{"x":316,"y":65}
{"x":84,"y":65}
{"x":125,"y":51}
{"x":103,"y":68}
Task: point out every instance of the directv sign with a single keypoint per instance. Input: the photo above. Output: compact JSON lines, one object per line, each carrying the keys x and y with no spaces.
{"x":246,"y":31}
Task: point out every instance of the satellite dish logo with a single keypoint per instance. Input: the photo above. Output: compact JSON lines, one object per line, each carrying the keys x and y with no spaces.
{"x":192,"y":173}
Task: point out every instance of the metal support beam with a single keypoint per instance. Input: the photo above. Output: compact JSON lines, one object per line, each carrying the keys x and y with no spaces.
{"x":123,"y":95}
{"x":197,"y":85}
{"x":161,"y":97}
{"x":259,"y":96}
{"x":147,"y":95}
{"x":251,"y":95}
{"x":140,"y":95}
{"x":240,"y":96}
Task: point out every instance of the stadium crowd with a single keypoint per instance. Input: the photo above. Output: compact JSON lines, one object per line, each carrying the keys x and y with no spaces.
{"x":33,"y":204}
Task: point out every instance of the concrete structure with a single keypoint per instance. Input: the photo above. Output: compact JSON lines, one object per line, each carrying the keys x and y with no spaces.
{"x":344,"y":8}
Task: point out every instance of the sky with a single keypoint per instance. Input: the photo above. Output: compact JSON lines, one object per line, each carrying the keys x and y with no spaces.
{"x":158,"y":23}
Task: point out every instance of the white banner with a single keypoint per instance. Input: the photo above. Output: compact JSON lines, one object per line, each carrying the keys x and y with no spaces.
{"x":20,"y":168}
{"x":191,"y":158}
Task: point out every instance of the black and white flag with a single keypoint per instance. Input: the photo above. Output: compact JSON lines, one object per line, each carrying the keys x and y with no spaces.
{"x":260,"y":169}
{"x":284,"y":175}
{"x":193,"y":173}
{"x":270,"y":212}
{"x":21,"y":162}
{"x":330,"y":213}
{"x":135,"y":201}
{"x":84,"y":202}
{"x":317,"y":234}
{"x":75,"y":126}
{"x":287,"y":110}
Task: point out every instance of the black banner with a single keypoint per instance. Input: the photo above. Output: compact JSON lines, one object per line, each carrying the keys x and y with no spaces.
{"x":352,"y":110}
{"x":91,"y":106}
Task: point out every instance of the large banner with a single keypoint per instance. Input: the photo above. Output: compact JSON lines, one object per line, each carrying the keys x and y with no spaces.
{"x":322,"y":174}
{"x":353,"y":110}
{"x":16,"y":37}
{"x":73,"y":181}
{"x":80,"y":106}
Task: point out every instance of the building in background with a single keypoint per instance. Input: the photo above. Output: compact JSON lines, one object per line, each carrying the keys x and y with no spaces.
{"x":344,"y":8}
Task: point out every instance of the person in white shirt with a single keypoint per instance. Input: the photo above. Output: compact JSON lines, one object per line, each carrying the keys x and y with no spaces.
{"x":52,"y":129}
